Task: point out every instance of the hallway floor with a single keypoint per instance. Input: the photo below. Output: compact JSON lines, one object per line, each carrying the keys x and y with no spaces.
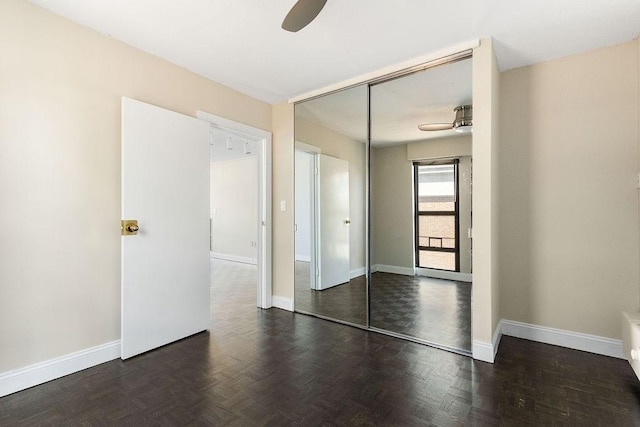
{"x":272,"y":367}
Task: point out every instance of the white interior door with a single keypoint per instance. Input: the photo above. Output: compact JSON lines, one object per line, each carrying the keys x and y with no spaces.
{"x":165,"y":187}
{"x":333,"y":221}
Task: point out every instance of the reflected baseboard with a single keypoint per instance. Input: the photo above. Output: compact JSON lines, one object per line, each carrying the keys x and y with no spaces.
{"x":441,"y":274}
{"x":282,"y":303}
{"x":394,"y":269}
{"x":357,"y":272}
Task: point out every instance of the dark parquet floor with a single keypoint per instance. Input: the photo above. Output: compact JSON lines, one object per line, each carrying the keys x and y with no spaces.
{"x":271,"y":367}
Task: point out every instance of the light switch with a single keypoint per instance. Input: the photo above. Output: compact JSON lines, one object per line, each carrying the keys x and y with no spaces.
{"x":283,"y":205}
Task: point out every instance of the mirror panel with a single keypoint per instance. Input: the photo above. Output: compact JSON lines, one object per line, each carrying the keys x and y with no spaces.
{"x":330,"y":206}
{"x":420,"y":215}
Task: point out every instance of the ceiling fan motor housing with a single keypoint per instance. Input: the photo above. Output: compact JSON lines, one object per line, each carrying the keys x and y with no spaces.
{"x":464,"y":117}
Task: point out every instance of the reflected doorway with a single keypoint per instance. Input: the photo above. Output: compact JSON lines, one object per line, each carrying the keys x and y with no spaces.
{"x":324,"y":284}
{"x":330,"y":206}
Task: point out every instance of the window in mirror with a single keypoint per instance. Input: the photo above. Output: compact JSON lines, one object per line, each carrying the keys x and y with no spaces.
{"x":436,"y":201}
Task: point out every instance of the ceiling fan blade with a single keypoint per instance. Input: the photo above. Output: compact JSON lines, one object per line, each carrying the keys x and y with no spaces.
{"x":436,"y":126}
{"x":301,"y":14}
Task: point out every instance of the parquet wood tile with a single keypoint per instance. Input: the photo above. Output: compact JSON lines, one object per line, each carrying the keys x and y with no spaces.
{"x":275,"y":368}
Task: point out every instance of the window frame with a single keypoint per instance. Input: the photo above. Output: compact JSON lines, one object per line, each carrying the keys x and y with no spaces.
{"x":455,"y":213}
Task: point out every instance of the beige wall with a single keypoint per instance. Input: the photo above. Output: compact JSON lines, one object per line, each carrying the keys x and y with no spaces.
{"x":61,"y":86}
{"x":485,"y":316}
{"x":283,"y":188}
{"x":451,"y":146}
{"x":234,"y":208}
{"x":392,"y":207}
{"x":569,"y":203}
{"x":337,"y":145}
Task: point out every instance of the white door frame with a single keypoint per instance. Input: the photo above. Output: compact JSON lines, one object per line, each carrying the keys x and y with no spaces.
{"x":313,"y":151}
{"x":315,"y":240}
{"x":264,"y":292}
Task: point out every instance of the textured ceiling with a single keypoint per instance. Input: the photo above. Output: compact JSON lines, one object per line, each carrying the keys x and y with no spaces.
{"x":239,"y":43}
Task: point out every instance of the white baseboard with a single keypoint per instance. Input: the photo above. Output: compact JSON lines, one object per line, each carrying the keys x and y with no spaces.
{"x":39,"y":373}
{"x":282,"y":302}
{"x":394,"y":269}
{"x":575,"y":340}
{"x":357,"y":272}
{"x":485,"y":351}
{"x":234,"y":258}
{"x":303,"y":258}
{"x":448,"y":275}
{"x":482,"y":351}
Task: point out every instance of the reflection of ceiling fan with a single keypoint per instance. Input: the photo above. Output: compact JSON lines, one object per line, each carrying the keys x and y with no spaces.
{"x":301,"y":14}
{"x":462,"y":122}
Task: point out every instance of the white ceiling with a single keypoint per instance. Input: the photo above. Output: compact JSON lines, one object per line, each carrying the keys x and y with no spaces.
{"x":239,"y":43}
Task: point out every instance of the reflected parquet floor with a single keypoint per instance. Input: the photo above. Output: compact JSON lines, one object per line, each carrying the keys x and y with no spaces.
{"x":434,"y":310}
{"x":346,"y":302}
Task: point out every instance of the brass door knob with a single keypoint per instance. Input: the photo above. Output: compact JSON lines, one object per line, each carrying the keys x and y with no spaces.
{"x":129,"y":227}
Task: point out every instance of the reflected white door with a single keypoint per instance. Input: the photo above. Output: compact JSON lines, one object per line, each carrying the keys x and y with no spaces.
{"x":165,"y":186}
{"x":333,"y":214}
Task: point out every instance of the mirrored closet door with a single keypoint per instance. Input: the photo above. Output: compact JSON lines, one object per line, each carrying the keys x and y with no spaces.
{"x":383,"y":205}
{"x":420,"y":219}
{"x":330,"y":206}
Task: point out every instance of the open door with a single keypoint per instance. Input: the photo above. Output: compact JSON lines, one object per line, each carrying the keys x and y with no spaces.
{"x":333,"y":221}
{"x":165,"y":265}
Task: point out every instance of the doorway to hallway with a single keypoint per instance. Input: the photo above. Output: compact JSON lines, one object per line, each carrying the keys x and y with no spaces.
{"x":240,"y":208}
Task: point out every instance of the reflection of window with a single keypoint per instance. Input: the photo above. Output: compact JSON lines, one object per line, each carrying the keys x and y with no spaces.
{"x":436,"y":202}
